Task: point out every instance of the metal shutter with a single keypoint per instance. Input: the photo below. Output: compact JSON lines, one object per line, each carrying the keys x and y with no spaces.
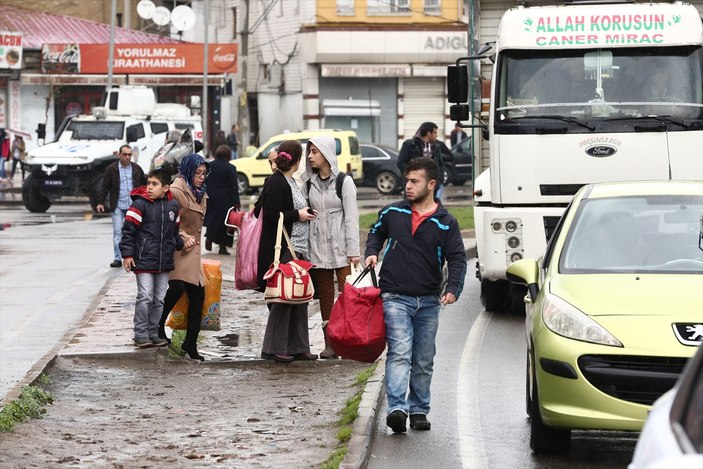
{"x":424,"y":101}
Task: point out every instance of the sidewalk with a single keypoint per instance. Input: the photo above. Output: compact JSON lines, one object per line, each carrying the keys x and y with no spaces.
{"x":107,"y":332}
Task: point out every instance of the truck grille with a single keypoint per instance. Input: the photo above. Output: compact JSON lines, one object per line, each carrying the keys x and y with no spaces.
{"x":637,"y":379}
{"x":559,"y":189}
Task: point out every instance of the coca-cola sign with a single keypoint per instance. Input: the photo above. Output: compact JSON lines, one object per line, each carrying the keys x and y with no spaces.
{"x":224,"y":58}
{"x":61,"y":58}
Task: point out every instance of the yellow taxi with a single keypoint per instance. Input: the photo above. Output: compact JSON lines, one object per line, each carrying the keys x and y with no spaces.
{"x":252,"y":171}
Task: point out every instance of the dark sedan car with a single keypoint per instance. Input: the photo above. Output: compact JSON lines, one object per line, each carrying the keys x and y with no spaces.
{"x":460,"y":165}
{"x":380,"y":168}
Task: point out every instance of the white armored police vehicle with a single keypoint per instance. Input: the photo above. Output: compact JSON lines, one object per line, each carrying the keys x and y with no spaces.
{"x":73,"y":165}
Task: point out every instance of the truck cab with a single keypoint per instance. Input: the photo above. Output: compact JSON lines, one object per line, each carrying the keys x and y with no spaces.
{"x":73,"y":165}
{"x":582,"y":92}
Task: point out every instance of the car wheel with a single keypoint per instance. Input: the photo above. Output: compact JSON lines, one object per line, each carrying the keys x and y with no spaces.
{"x":33,"y":200}
{"x":386,"y":182}
{"x":242,"y":183}
{"x":446,"y":176}
{"x":495,"y":295}
{"x":544,"y":439}
{"x":528,"y":387}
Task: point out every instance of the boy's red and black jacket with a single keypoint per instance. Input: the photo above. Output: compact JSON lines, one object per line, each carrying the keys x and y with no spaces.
{"x":150,"y":232}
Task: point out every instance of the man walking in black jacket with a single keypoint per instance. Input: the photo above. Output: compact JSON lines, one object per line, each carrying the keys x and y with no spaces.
{"x":424,"y":143}
{"x":420,"y":236}
{"x":119,"y":179}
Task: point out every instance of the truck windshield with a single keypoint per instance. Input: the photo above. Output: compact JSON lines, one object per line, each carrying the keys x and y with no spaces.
{"x":618,"y":82}
{"x":96,"y":130}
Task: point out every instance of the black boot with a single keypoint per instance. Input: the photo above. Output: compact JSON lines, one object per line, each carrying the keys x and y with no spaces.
{"x":192,"y":351}
{"x":196,"y":296}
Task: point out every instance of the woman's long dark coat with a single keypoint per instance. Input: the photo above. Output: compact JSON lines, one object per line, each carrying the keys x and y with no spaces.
{"x":223,"y":193}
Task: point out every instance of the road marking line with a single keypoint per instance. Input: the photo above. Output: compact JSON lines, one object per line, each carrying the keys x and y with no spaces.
{"x":473,"y":454}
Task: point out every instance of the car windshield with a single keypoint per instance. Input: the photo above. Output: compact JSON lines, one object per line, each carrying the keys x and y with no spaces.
{"x":642,"y":234}
{"x":96,"y":130}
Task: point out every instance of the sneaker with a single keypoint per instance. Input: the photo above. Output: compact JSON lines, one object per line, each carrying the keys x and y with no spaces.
{"x":419,"y":422}
{"x":396,"y":420}
{"x":142,"y":342}
{"x":158,"y":342}
{"x":116,"y":263}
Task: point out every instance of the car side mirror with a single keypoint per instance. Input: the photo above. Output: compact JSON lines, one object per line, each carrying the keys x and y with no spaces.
{"x":525,"y":272}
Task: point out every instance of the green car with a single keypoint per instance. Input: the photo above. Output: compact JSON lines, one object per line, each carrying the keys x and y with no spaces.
{"x":614,"y":308}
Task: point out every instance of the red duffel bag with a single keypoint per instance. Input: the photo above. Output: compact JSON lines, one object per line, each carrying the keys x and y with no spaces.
{"x":356,"y":329}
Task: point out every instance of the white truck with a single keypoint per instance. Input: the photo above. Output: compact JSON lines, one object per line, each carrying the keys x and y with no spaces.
{"x":73,"y":165}
{"x":580,"y":93}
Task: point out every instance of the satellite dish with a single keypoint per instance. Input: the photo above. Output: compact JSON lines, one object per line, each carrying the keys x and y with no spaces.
{"x":161,"y":16}
{"x":182,"y":17}
{"x":145,"y":9}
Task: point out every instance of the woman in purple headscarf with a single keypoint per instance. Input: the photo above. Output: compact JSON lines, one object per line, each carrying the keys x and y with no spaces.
{"x":189,"y":190}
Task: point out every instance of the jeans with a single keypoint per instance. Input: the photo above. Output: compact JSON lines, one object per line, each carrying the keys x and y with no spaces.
{"x":411,"y":328}
{"x":117,"y":222}
{"x":151,"y":290}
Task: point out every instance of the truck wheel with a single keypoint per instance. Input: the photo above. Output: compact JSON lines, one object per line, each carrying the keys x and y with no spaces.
{"x":386,"y":182}
{"x":495,"y":295}
{"x":242,"y":183}
{"x":95,"y":188}
{"x":33,"y":200}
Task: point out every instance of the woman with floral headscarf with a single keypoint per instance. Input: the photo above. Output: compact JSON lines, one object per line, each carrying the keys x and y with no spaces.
{"x":189,"y":191}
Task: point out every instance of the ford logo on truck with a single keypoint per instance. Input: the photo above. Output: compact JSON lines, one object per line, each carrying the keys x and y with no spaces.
{"x":601,"y":151}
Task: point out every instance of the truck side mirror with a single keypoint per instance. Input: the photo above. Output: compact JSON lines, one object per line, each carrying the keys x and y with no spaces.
{"x":458,"y":83}
{"x":41,"y":131}
{"x":459,"y":112}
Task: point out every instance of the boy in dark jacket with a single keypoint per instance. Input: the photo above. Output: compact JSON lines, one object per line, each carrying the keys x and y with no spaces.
{"x":150,"y":237}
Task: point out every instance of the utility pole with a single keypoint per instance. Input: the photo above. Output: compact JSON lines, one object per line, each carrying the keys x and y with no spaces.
{"x":111,"y":53}
{"x":243,"y":108}
{"x":204,"y":108}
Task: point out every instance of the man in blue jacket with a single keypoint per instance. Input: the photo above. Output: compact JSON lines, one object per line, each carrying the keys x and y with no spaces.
{"x":420,"y":236}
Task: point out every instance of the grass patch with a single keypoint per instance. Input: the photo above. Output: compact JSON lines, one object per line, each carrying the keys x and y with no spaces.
{"x":347,"y":417}
{"x":464,"y":216}
{"x":30,"y":405}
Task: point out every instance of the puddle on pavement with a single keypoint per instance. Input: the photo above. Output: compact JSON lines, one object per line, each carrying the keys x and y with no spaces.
{"x":231,"y":340}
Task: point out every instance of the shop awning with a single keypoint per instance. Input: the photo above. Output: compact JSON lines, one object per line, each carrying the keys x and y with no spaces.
{"x":40,"y":28}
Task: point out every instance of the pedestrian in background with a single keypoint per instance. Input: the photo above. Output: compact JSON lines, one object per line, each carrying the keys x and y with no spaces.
{"x":118,"y":181}
{"x":334,"y":234}
{"x":18,"y":153}
{"x":422,"y":236}
{"x":4,"y":152}
{"x":233,"y":141}
{"x":220,"y":139}
{"x":189,"y":191}
{"x":424,"y":143}
{"x":456,"y":135}
{"x":150,"y":237}
{"x":223,"y":194}
{"x":286,"y":337}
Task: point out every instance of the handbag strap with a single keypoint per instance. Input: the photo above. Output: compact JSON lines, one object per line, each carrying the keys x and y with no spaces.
{"x":277,"y":248}
{"x":369,"y":269}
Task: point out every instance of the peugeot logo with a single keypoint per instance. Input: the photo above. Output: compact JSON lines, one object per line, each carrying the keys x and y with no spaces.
{"x":601,"y":151}
{"x":689,"y":333}
{"x":49,"y":169}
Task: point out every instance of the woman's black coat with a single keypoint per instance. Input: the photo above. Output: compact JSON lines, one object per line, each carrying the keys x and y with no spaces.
{"x":276,"y":197}
{"x":223,"y":193}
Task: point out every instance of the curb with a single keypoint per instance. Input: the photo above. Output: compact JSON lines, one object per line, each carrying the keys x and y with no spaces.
{"x":364,"y":427}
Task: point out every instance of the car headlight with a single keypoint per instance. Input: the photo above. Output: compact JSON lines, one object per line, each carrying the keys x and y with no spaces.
{"x":566,"y":320}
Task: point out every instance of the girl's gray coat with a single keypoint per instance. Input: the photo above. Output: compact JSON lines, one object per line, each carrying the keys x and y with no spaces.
{"x":334,"y":234}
